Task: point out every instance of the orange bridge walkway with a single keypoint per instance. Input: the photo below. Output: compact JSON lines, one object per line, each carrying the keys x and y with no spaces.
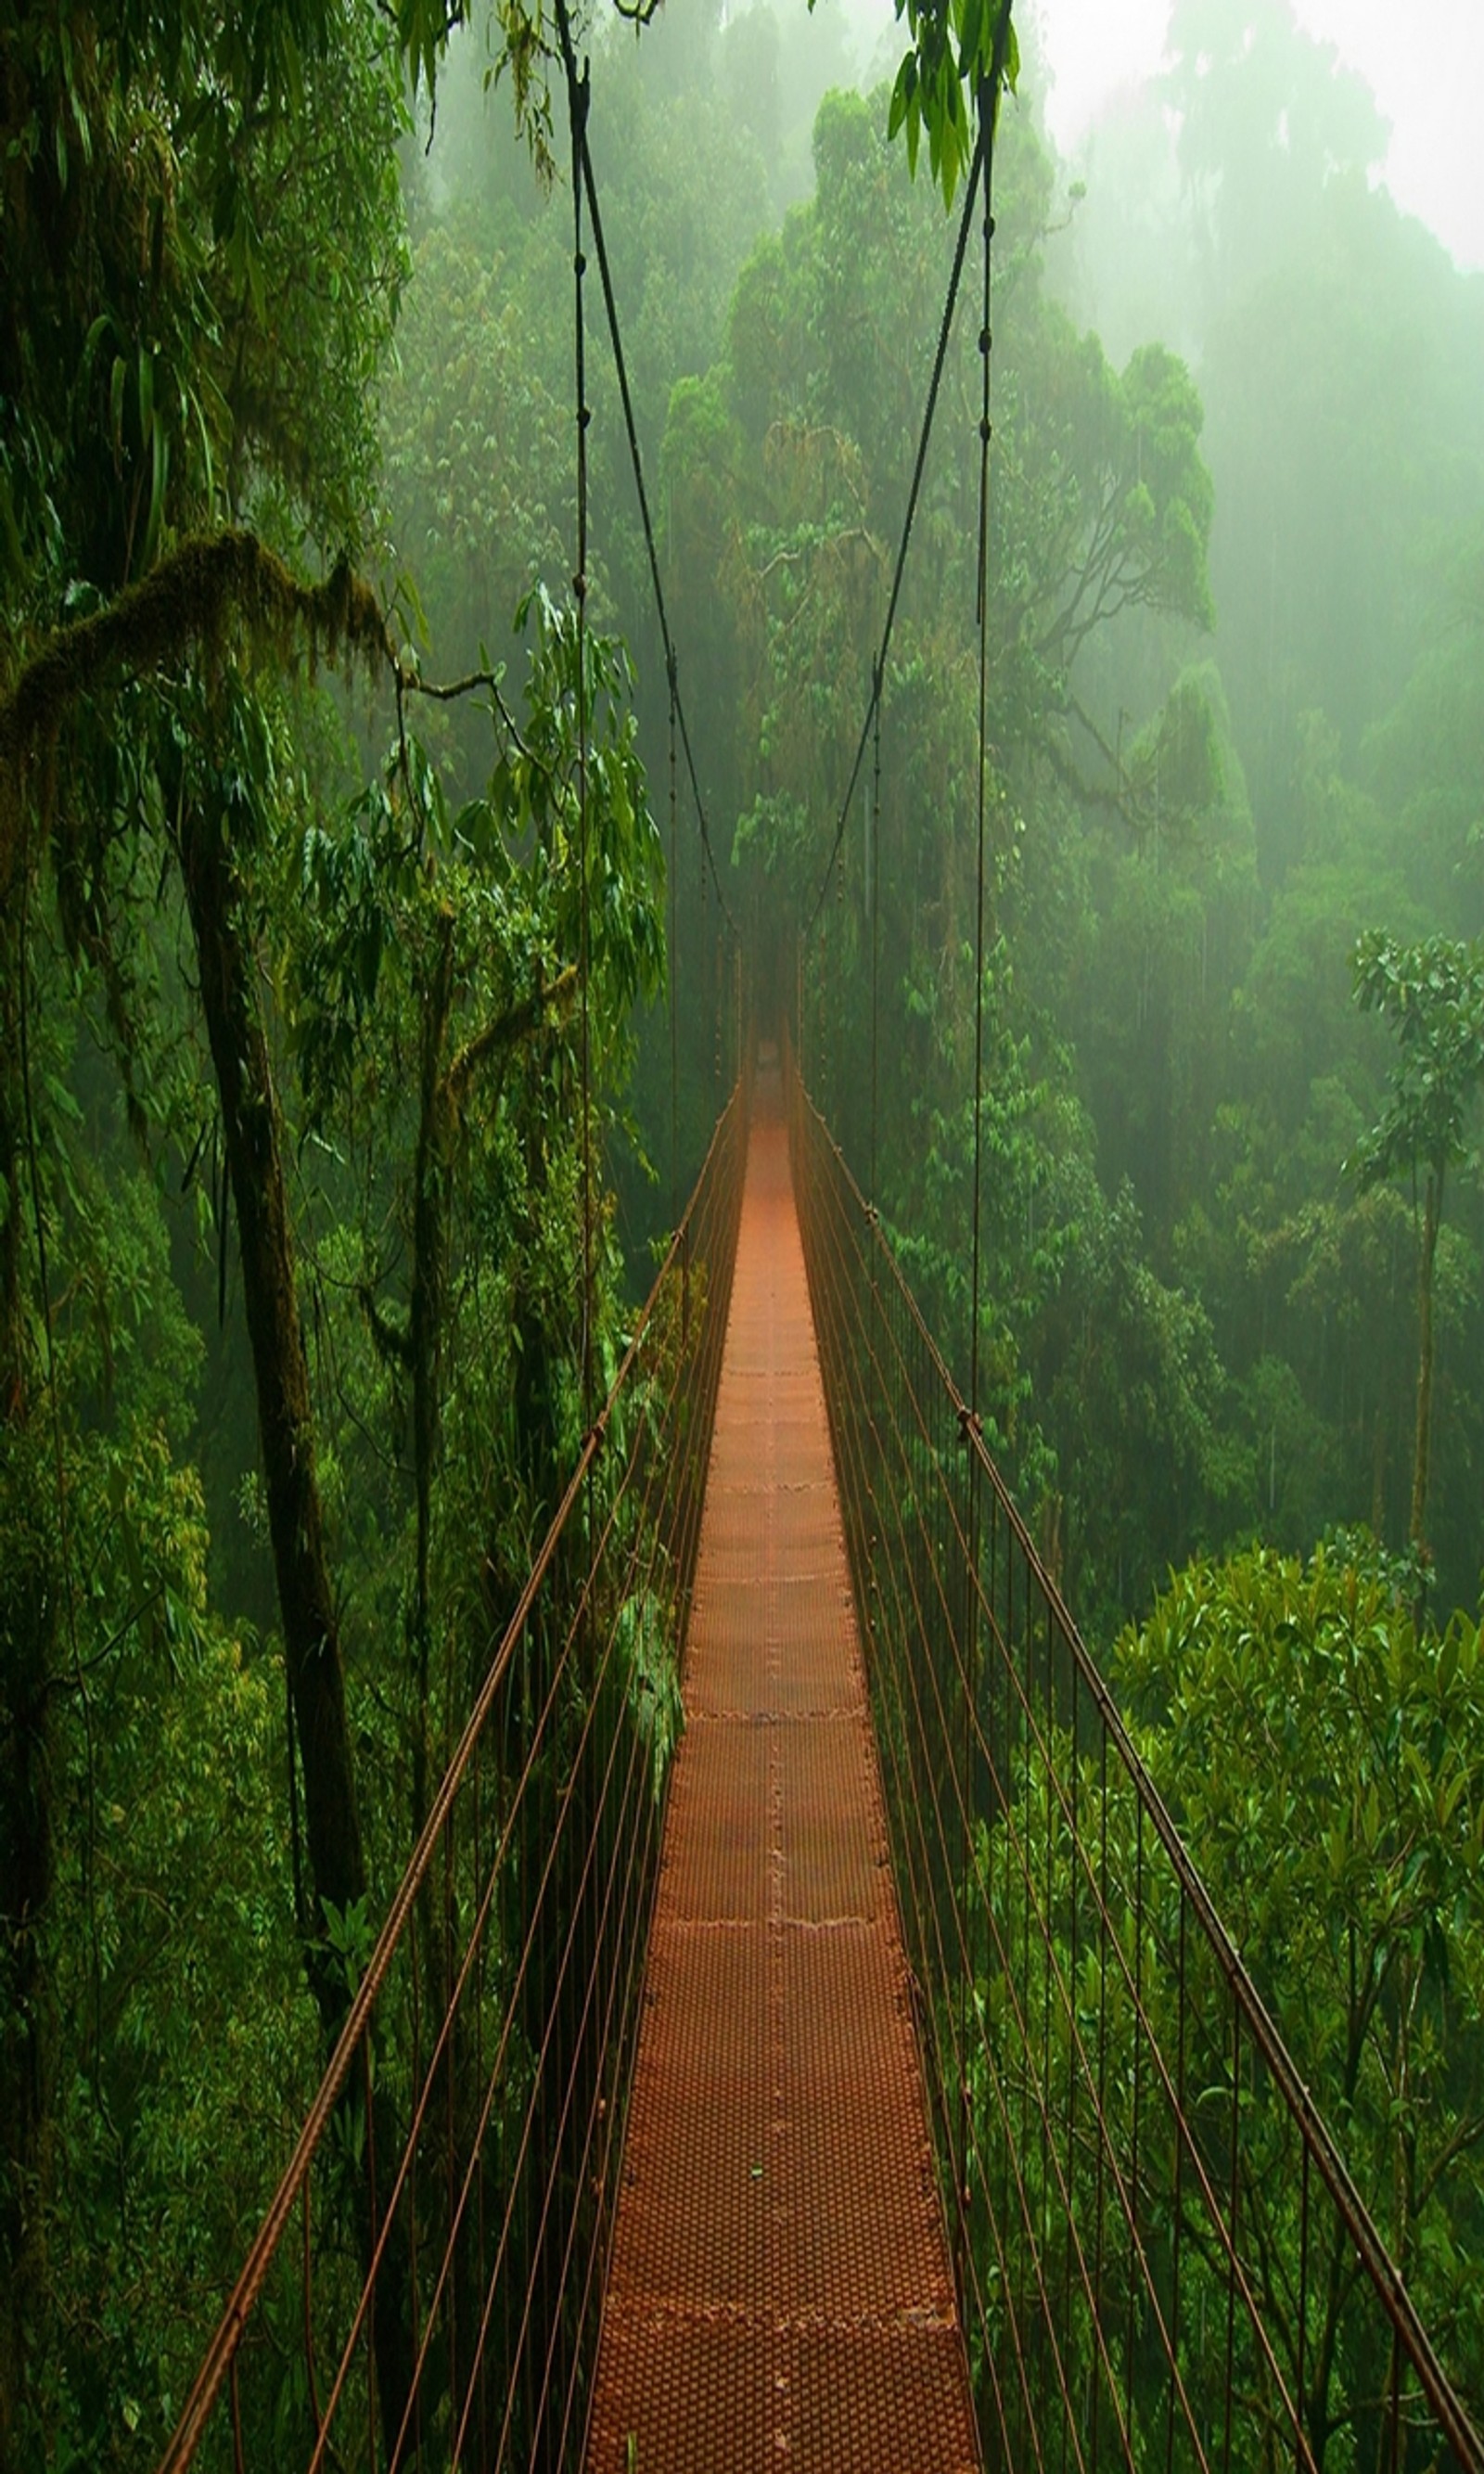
{"x":779,"y":2292}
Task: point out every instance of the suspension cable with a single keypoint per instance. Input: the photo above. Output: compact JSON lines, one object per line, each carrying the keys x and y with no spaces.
{"x":672,"y":966}
{"x":621,"y":366}
{"x":579,"y":94}
{"x":873,"y":900}
{"x":988,"y":96}
{"x":939,"y":359}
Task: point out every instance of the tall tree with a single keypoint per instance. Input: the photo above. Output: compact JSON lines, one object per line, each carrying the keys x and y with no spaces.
{"x":203,"y":252}
{"x":1432,"y":994}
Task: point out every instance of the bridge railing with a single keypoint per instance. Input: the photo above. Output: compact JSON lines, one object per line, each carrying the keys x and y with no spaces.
{"x":426,"y":2288}
{"x":1162,"y":2260}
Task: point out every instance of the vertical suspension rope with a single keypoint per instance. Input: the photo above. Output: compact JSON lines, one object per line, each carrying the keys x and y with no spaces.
{"x":988,"y":99}
{"x":988,"y":103}
{"x":873,"y":898}
{"x":875,"y":1353}
{"x":839,"y":1081}
{"x":981,"y":621}
{"x":971,"y":1641}
{"x":577,"y":97}
{"x":707,"y":963}
{"x":672,"y":961}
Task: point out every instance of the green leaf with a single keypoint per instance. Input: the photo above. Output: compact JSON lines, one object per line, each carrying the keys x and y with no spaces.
{"x":972,"y":57}
{"x":160,"y":469}
{"x":903,"y":94}
{"x":119,"y":379}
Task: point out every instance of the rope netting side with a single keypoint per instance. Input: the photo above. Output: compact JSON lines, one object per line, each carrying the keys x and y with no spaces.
{"x":426,"y":2288}
{"x":1162,"y":2258}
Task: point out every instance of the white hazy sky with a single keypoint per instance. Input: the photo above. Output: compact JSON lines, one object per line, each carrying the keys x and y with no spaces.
{"x":1424,"y":63}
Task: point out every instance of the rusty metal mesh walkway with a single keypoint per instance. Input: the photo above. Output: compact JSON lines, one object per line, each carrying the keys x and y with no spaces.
{"x":1160,"y":2257}
{"x":780,"y":2290}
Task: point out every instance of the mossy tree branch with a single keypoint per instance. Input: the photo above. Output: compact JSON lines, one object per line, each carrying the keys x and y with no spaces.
{"x":186,"y":603}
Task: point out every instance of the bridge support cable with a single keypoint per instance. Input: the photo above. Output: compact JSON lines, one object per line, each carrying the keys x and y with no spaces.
{"x":914,"y":493}
{"x":981,"y":169}
{"x":873,"y":911}
{"x":711,"y":975}
{"x":1165,"y":2260}
{"x":585,"y":180}
{"x":525,"y":1910}
{"x":988,"y":105}
{"x":672,"y":965}
{"x":578,"y":97}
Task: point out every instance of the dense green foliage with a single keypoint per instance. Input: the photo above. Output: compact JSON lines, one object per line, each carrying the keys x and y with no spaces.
{"x":1322,"y":1749}
{"x":292,"y":1152}
{"x":289,"y":1123}
{"x":1209,"y":776}
{"x":1339,"y":355}
{"x":1324,"y":1754}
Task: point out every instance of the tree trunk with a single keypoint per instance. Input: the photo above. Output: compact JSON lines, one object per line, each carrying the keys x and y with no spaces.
{"x":1432,"y":1218}
{"x":29,"y":1600}
{"x":13,"y":1115}
{"x":251,"y":1130}
{"x":27,"y":2007}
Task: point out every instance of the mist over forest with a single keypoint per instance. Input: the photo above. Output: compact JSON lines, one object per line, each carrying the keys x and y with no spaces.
{"x":1235,"y":713}
{"x":327,"y":1195}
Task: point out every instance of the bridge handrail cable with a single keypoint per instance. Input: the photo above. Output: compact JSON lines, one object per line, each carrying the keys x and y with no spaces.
{"x":680,"y":1329}
{"x":854,"y":1275}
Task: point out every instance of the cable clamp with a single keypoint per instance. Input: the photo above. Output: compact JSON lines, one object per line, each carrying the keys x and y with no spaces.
{"x":579,"y":95}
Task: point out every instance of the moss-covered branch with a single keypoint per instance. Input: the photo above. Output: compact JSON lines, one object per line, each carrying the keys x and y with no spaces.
{"x":516,"y":1023}
{"x":189,"y":601}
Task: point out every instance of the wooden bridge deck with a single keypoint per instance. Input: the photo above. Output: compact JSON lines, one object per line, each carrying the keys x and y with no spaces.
{"x":780,"y":2291}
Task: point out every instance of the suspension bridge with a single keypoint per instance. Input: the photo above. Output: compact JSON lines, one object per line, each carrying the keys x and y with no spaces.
{"x":866,"y":2081}
{"x":836,"y":2062}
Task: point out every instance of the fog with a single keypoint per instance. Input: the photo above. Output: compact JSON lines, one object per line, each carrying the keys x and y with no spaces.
{"x":1234,"y":695}
{"x":1425,"y":87}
